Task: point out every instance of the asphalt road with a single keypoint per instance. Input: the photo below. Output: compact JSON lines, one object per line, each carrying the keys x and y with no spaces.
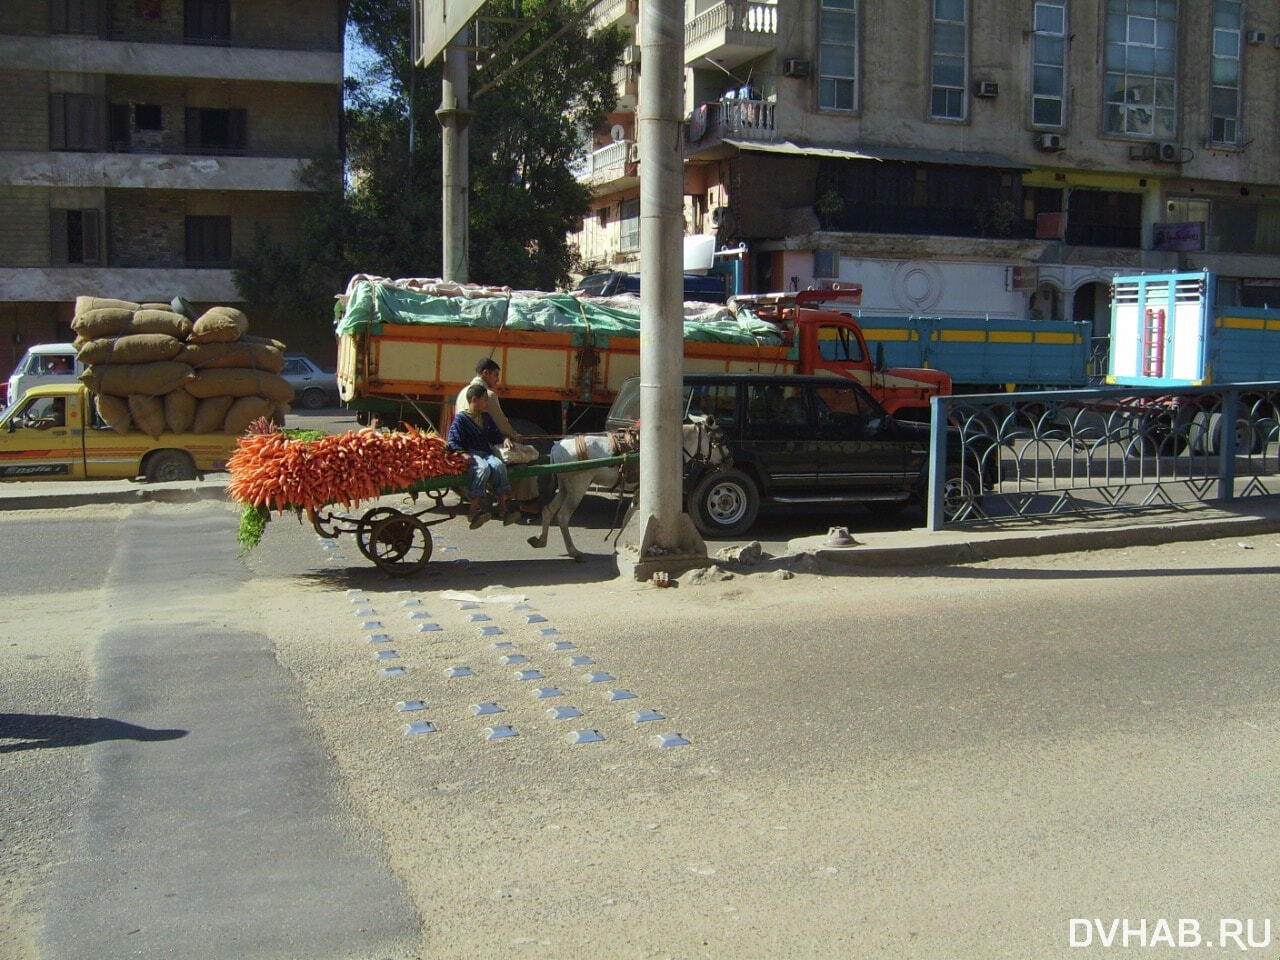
{"x":950,"y":762}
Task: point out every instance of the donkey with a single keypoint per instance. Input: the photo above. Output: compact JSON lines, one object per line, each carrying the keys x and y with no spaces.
{"x":700,"y":440}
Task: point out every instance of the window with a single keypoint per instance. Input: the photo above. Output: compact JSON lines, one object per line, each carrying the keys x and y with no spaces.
{"x":718,"y":400}
{"x":1140,"y":89}
{"x":223,"y":131}
{"x":837,"y":54}
{"x":1104,"y":218}
{"x":949,"y":69}
{"x":147,"y":116}
{"x":826,"y":264}
{"x":1049,"y":64}
{"x":1224,"y":92}
{"x":208,"y":241}
{"x":838,"y":343}
{"x":773,"y":407}
{"x":76,"y":236}
{"x":73,"y":16}
{"x":629,"y":224}
{"x":75,"y":122}
{"x":207,"y":21}
{"x":118,"y":126}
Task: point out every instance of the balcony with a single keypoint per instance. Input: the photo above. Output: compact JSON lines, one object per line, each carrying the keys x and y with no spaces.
{"x":731,"y":33}
{"x":141,"y":59}
{"x":610,"y":167}
{"x":733,"y":118}
{"x":20,"y":168}
{"x":622,"y":13}
{"x":59,"y":284}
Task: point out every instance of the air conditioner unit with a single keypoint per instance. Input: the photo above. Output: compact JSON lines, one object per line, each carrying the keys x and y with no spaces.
{"x":988,"y":88}
{"x":633,"y":153}
{"x":1048,"y":142}
{"x":631,"y":54}
{"x":718,"y":215}
{"x":1255,"y":37}
{"x":1166,"y":153}
{"x":795,"y":68}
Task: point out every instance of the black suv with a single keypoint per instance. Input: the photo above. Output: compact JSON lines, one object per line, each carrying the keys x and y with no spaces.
{"x":800,"y":439}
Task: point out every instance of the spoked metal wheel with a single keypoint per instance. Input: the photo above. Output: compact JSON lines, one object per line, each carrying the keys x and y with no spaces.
{"x":400,"y":545}
{"x":364,"y":529}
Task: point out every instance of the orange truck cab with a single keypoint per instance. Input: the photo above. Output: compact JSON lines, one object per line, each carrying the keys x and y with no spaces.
{"x":827,"y":341}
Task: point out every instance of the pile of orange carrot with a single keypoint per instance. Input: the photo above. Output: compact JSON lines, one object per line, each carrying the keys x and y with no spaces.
{"x":268,"y":470}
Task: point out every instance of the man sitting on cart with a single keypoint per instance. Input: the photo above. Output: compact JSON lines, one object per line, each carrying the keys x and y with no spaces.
{"x":474,"y":432}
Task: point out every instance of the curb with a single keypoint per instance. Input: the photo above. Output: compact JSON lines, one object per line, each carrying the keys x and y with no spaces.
{"x":1029,"y":544}
{"x":140,"y":494}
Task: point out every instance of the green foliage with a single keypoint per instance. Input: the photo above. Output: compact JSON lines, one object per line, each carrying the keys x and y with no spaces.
{"x":386,"y":219}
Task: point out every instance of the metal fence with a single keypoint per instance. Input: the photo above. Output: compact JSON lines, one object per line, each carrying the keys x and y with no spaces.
{"x":1018,"y":458}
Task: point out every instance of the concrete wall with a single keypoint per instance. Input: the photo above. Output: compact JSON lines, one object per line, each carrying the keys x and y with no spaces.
{"x":24,"y":110}
{"x":24,"y":241}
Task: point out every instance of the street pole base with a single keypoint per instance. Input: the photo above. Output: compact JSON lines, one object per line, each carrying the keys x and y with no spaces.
{"x":640,"y":555}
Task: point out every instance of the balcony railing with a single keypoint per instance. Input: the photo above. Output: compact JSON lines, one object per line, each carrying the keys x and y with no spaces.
{"x":732,"y":32}
{"x":606,"y":164}
{"x":745,"y":119}
{"x":609,"y":12}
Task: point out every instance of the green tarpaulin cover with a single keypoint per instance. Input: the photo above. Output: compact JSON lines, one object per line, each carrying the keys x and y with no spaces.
{"x":370,"y":304}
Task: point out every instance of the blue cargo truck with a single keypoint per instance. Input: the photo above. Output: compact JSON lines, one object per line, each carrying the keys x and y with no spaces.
{"x":1170,"y":330}
{"x":984,"y":354}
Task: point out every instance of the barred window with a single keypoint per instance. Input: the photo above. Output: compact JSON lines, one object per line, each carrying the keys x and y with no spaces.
{"x":1224,"y":91}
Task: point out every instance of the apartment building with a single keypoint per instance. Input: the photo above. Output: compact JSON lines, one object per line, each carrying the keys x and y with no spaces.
{"x":142,"y":141}
{"x":967,"y":157}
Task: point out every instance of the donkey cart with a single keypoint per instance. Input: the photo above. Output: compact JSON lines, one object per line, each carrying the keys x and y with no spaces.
{"x":398,"y":541}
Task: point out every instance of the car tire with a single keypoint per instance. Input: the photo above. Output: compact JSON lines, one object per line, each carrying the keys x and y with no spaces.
{"x":313,"y":398}
{"x":962,"y":495}
{"x":724,"y":503}
{"x":164,"y":466}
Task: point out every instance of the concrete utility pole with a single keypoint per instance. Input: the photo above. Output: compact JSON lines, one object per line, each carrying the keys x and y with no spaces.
{"x":455,"y":117}
{"x":660,"y":537}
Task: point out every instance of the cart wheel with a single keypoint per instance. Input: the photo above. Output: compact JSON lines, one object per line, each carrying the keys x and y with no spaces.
{"x":322,"y":524}
{"x":400,"y":545}
{"x":365,"y":525}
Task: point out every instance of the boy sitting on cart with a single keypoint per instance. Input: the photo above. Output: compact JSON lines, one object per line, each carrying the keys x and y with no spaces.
{"x":474,"y":432}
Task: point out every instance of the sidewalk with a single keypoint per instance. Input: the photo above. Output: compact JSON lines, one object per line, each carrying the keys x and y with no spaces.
{"x":1193,"y":521}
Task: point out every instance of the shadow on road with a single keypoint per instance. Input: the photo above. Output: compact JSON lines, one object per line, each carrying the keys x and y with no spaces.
{"x":39,"y":731}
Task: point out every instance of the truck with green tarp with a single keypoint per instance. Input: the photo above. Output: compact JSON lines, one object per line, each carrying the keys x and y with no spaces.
{"x":406,"y":347}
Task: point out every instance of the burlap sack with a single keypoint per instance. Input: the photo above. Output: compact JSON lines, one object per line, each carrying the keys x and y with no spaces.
{"x":149,"y":379}
{"x":244,"y":411}
{"x":265,"y":341}
{"x":241,"y":382}
{"x":219,"y":325}
{"x":147,"y":413}
{"x":161,"y":321}
{"x":85,"y":304}
{"x":179,"y":411}
{"x":114,"y":412}
{"x":101,"y":322}
{"x":256,"y":356}
{"x":155,"y":306}
{"x":210,"y":413}
{"x":133,"y":348}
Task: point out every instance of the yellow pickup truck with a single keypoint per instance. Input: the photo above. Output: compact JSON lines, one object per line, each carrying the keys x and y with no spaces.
{"x":54,"y":431}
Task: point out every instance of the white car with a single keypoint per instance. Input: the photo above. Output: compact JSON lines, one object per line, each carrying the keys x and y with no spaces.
{"x":41,"y":364}
{"x":313,"y":388}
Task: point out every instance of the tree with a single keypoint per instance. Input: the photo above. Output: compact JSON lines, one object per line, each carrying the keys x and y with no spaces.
{"x":385,"y":218}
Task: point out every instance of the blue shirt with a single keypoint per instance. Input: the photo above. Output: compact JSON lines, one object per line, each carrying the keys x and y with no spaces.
{"x":467,"y":435}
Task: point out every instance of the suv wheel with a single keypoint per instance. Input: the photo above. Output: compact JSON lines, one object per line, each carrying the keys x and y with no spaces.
{"x":724,"y":503}
{"x":313,"y":398}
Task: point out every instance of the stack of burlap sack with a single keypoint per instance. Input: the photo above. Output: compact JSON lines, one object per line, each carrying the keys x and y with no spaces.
{"x":159,"y":370}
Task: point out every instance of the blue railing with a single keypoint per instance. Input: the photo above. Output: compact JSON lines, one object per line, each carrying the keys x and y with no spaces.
{"x":1018,"y":458}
